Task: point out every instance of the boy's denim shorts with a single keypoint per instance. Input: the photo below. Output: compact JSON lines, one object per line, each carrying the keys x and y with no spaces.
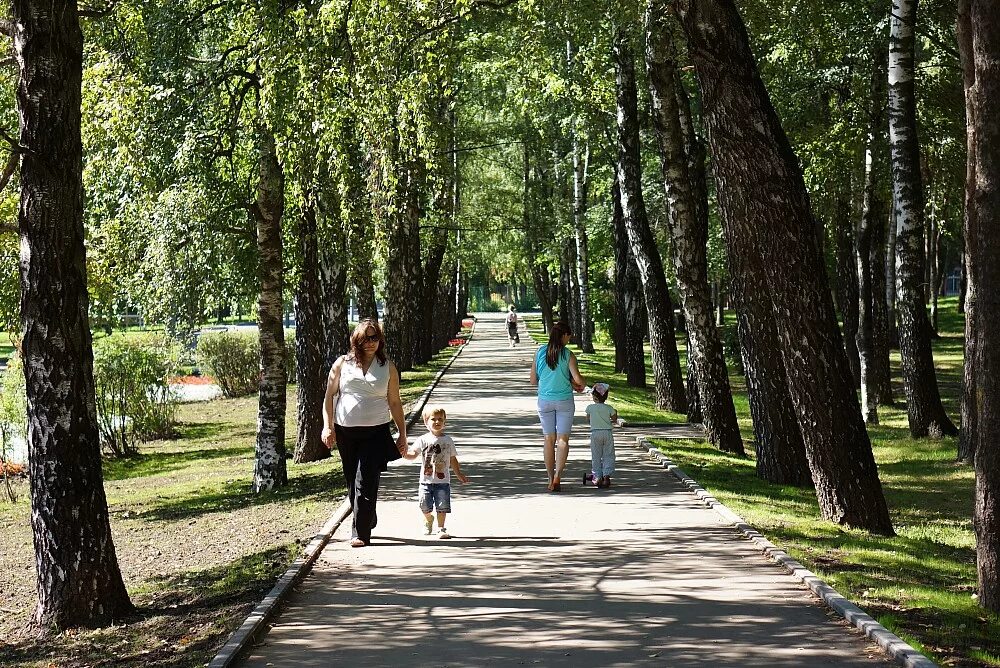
{"x":435,"y":495}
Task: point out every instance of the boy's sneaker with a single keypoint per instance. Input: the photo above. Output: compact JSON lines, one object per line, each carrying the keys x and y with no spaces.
{"x":443,"y":533}
{"x":429,"y":526}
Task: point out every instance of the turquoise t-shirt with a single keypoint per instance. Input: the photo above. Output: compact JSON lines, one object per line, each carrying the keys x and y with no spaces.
{"x":553,"y":384}
{"x":600,"y":416}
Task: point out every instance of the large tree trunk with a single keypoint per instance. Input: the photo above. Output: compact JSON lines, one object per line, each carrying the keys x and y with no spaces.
{"x":333,"y":271}
{"x":357,"y":213}
{"x":630,"y":308}
{"x":688,"y":224}
{"x":404,"y":275}
{"x":77,"y":576}
{"x":923,"y":402}
{"x":967,"y":435}
{"x":270,"y":469}
{"x":412,"y":315}
{"x":871,"y":219}
{"x":310,"y":340}
{"x":774,"y":225}
{"x":659,"y":309}
{"x":986,"y":248}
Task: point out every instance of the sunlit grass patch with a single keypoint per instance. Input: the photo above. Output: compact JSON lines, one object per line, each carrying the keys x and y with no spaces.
{"x":919,"y":583}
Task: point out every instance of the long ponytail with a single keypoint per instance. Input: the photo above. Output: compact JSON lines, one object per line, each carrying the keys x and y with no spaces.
{"x":555,"y":348}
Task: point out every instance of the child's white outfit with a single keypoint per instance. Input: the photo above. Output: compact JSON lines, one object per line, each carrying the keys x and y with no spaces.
{"x":602,"y":441}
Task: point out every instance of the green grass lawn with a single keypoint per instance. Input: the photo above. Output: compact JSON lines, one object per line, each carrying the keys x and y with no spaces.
{"x":919,"y":583}
{"x":197,"y":549}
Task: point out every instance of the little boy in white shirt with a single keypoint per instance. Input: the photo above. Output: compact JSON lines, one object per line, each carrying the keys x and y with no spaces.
{"x":438,"y":456}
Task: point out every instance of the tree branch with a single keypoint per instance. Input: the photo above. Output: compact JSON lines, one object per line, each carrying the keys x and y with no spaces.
{"x":99,"y":13}
{"x":15,"y":146}
{"x":463,"y":149}
{"x":8,"y":171}
{"x":455,"y":18}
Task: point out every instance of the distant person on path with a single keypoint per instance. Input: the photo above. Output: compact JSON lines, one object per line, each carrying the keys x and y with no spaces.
{"x":602,"y":418}
{"x":557,"y":377}
{"x":438,"y":457}
{"x":362,"y":394}
{"x":512,"y":334}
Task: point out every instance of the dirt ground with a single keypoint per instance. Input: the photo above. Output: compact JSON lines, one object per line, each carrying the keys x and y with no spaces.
{"x":196,"y":549}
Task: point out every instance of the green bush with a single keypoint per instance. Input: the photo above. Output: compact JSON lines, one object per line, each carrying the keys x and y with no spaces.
{"x":134,"y":402}
{"x":13,"y":416}
{"x":233,"y":359}
{"x":731,"y":348}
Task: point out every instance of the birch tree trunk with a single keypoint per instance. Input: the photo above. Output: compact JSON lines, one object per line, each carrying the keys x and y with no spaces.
{"x":401,"y":278}
{"x":357,"y":212}
{"x":689,"y":236}
{"x":568,"y":292}
{"x":967,"y":436}
{"x":986,"y":248}
{"x":985,"y":34}
{"x":871,"y":218}
{"x":310,"y":341}
{"x":78,"y":580}
{"x":881,"y":330}
{"x":539,"y":274}
{"x":333,"y":281}
{"x":659,"y":309}
{"x":581,"y":165}
{"x":269,"y":458}
{"x":924,"y":410}
{"x":847,"y":279}
{"x":764,"y":205}
{"x":630,"y":308}
{"x":890,"y":276}
{"x":413,"y":318}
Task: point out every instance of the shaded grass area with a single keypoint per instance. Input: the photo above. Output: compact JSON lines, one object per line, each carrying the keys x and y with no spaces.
{"x":920,"y":583}
{"x":197,"y":549}
{"x":180,"y":620}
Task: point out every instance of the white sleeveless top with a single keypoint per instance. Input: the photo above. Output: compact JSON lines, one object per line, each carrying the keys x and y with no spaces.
{"x":363,"y":399}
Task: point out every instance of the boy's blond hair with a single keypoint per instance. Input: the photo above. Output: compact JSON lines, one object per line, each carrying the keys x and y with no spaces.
{"x":432,"y":410}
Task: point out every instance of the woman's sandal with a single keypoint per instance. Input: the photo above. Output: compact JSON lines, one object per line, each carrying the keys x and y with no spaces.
{"x":556,"y":487}
{"x":357,"y":542}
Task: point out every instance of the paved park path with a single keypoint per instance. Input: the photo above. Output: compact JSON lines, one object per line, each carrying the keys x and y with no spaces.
{"x":638,"y":575}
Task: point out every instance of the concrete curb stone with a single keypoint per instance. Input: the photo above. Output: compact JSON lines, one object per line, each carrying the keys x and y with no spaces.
{"x":893,"y":645}
{"x":264,"y":611}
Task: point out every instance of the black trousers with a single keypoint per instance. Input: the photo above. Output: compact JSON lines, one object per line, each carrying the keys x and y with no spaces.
{"x":362,"y":451}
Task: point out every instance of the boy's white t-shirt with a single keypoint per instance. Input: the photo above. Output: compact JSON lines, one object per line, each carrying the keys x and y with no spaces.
{"x":435,"y":458}
{"x":600,"y":415}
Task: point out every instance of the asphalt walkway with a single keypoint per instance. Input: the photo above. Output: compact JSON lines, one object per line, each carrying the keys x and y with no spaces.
{"x":638,"y":575}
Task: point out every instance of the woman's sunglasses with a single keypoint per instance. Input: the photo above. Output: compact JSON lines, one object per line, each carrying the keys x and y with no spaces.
{"x":374,"y":338}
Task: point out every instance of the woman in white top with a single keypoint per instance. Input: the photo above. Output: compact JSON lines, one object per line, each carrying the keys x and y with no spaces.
{"x":362,"y":394}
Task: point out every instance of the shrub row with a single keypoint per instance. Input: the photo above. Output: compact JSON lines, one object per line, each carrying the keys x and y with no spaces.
{"x":233,"y":359}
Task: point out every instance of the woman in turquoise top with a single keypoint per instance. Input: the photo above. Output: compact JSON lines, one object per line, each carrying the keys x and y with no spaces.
{"x":557,"y":377}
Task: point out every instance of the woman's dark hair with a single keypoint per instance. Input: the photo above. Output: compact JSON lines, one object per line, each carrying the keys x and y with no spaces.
{"x":555,"y":348}
{"x":358,"y":341}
